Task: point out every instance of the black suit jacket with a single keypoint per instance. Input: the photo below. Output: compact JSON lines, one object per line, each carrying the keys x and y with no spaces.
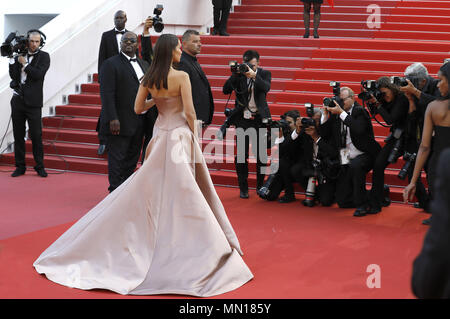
{"x":109,"y":47}
{"x":201,"y":90}
{"x":361,"y":131}
{"x":261,"y":88}
{"x":118,"y":88}
{"x":431,"y":269}
{"x":36,"y":70}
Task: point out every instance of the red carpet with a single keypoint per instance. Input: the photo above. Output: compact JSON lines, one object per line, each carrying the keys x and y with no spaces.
{"x":293,"y":251}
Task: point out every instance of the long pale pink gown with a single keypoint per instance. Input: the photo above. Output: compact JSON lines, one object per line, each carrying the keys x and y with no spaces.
{"x":163,"y":231}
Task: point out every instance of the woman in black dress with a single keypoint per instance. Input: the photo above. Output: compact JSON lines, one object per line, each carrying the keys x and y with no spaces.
{"x":306,"y":16}
{"x":437,"y":119}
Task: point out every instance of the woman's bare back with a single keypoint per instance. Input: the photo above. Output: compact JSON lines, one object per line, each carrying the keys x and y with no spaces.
{"x":440,"y":112}
{"x":174,"y":81}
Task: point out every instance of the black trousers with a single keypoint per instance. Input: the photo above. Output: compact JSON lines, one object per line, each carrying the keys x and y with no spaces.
{"x":102,"y":139}
{"x":241,"y":159}
{"x":21,"y":113}
{"x":123,"y":155}
{"x":381,"y":162}
{"x":221,"y":13}
{"x":324,"y":193}
{"x":351,"y":183}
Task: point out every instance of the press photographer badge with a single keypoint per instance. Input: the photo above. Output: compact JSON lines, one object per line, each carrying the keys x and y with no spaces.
{"x":247,"y":114}
{"x":345,"y":153}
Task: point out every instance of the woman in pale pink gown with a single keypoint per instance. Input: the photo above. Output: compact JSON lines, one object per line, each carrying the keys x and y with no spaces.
{"x":164,"y":230}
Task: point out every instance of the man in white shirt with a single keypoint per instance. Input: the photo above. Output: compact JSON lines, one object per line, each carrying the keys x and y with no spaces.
{"x":351,"y":128}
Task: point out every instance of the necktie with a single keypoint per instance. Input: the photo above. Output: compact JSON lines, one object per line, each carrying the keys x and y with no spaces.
{"x":133,"y":60}
{"x":121,"y":32}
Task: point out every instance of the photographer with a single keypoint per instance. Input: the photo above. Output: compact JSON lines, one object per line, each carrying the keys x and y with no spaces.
{"x":316,"y":162}
{"x":419,"y":97}
{"x":289,"y":154}
{"x":251,"y":111}
{"x":350,"y":129}
{"x":393,"y":108}
{"x":27,"y":72}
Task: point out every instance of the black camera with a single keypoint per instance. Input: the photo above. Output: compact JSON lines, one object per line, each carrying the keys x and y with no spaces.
{"x":399,"y":81}
{"x":329,"y":101}
{"x":158,"y":24}
{"x":14,"y":43}
{"x":307,"y":122}
{"x":395,"y":153}
{"x":309,"y":109}
{"x":237,"y":68}
{"x":409,"y":159}
{"x":370,"y":88}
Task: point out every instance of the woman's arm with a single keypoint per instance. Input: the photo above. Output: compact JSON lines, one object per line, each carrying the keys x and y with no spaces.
{"x":422,"y":155}
{"x":188,"y":104}
{"x":141,"y":104}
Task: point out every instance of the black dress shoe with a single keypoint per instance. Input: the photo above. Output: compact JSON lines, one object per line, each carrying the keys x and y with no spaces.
{"x":41,"y":172}
{"x":373,"y":210}
{"x":101,"y":149}
{"x":316,"y":35}
{"x":286,"y":199}
{"x":427,"y":221}
{"x":306,"y":35}
{"x":243,"y":194}
{"x":18,"y":171}
{"x":359,"y":212}
{"x":213,"y":31}
{"x":386,"y":202}
{"x":224,"y":33}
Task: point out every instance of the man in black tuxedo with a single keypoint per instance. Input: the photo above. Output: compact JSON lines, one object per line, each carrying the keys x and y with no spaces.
{"x":201,"y":90}
{"x":221,"y":13}
{"x":251,"y":114}
{"x":350,"y":128}
{"x":120,"y":77}
{"x":27,"y":73}
{"x":110,"y":46}
{"x":314,"y":147}
{"x":431,"y":268}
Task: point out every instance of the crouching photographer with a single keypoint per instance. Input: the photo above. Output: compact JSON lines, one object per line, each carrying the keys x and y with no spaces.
{"x":319,"y":165}
{"x":289,"y":154}
{"x":251,"y":115}
{"x":393,"y":107}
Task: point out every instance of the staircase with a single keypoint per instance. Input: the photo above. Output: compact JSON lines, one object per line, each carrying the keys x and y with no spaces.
{"x":348,"y":51}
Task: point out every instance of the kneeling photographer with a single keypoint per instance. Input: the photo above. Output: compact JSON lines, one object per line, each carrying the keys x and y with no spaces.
{"x":393,"y":107}
{"x":251,"y":85}
{"x":289,"y":154}
{"x":319,"y":164}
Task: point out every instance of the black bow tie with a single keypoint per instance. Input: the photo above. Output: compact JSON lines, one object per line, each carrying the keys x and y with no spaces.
{"x":121,"y":32}
{"x":133,"y":60}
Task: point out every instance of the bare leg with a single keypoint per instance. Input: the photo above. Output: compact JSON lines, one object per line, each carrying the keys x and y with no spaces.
{"x":306,"y":18}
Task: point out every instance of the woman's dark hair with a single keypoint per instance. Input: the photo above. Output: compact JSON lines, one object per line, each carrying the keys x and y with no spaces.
{"x":385,"y":82}
{"x":445,"y":70}
{"x":162,"y":59}
{"x":292,"y":113}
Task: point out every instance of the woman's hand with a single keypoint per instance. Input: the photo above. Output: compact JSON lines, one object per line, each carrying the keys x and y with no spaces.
{"x":409,"y":192}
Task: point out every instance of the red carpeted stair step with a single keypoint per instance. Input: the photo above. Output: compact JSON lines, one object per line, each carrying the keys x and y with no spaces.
{"x":78,"y":110}
{"x":69,"y":122}
{"x":77,"y":136}
{"x":85,"y":99}
{"x":74,"y":164}
{"x":68,"y":149}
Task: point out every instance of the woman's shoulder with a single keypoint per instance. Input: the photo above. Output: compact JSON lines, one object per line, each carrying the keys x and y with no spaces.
{"x":179,"y":74}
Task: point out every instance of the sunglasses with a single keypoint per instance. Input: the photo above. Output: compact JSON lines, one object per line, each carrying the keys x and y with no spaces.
{"x":132,"y":40}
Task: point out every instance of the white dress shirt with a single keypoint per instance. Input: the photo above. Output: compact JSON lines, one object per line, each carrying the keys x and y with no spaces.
{"x":119,"y":38}
{"x":23,"y":74}
{"x":137,"y":68}
{"x":350,"y":148}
